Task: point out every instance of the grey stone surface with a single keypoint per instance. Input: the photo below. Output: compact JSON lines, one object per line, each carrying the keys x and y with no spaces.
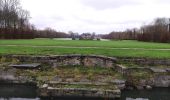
{"x":8,"y":77}
{"x":45,"y":85}
{"x":31,"y":66}
{"x":144,"y":61}
{"x":57,"y":79}
{"x":136,"y":99}
{"x":120,"y":68}
{"x":158,"y":70}
{"x":79,"y":92}
{"x":148,"y":87}
{"x":162,"y":81}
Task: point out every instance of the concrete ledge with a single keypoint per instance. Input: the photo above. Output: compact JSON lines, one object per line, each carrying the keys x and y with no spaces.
{"x":79,"y":92}
{"x":66,"y":60}
{"x":122,"y":69}
{"x":144,"y":61}
{"x":26,"y":66}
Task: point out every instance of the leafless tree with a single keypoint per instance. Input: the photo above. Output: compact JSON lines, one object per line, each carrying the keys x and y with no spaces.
{"x":157,"y":31}
{"x":13,"y":19}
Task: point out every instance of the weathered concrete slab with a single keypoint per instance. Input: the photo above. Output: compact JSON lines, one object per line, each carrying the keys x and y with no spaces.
{"x":136,"y":99}
{"x":26,"y":66}
{"x":79,"y":92}
{"x":158,"y":70}
{"x":7,"y":77}
{"x":162,"y":81}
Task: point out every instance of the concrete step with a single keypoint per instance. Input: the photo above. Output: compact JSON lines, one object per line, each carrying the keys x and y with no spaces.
{"x":26,"y":66}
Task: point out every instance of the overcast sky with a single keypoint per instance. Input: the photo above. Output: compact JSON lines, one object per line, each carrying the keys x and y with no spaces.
{"x":100,"y":16}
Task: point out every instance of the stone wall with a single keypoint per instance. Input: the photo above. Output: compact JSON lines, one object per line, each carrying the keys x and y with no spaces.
{"x":68,"y":60}
{"x":79,"y":92}
{"x":160,"y":78}
{"x":144,"y":61}
{"x":161,"y":81}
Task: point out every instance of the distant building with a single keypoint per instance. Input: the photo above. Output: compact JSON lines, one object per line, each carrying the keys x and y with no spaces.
{"x":86,"y":36}
{"x":97,"y":37}
{"x":75,"y":36}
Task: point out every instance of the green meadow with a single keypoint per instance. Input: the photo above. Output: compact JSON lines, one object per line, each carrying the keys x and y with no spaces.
{"x":123,"y":48}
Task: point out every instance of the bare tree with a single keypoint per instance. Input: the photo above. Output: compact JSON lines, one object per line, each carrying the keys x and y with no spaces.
{"x":157,"y":31}
{"x":13,"y":19}
{"x":24,"y":17}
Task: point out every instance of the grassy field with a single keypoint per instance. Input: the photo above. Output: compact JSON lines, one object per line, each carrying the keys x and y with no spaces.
{"x":103,"y":44}
{"x":125,"y":48}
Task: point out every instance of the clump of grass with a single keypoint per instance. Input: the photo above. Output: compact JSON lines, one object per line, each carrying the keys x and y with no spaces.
{"x":128,"y":64}
{"x":15,"y":61}
{"x":3,"y":59}
{"x":76,"y":71}
{"x":141,"y":74}
{"x":137,"y":75}
{"x":90,"y":75}
{"x":77,"y":74}
{"x":56,"y":71}
{"x":4,"y":64}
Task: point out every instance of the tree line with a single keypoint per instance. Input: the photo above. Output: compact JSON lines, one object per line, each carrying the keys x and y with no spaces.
{"x":50,"y":33}
{"x":14,"y":23}
{"x":157,"y":31}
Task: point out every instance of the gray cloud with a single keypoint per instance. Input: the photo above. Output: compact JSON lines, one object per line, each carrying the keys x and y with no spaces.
{"x":100,"y":16}
{"x":108,"y":4}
